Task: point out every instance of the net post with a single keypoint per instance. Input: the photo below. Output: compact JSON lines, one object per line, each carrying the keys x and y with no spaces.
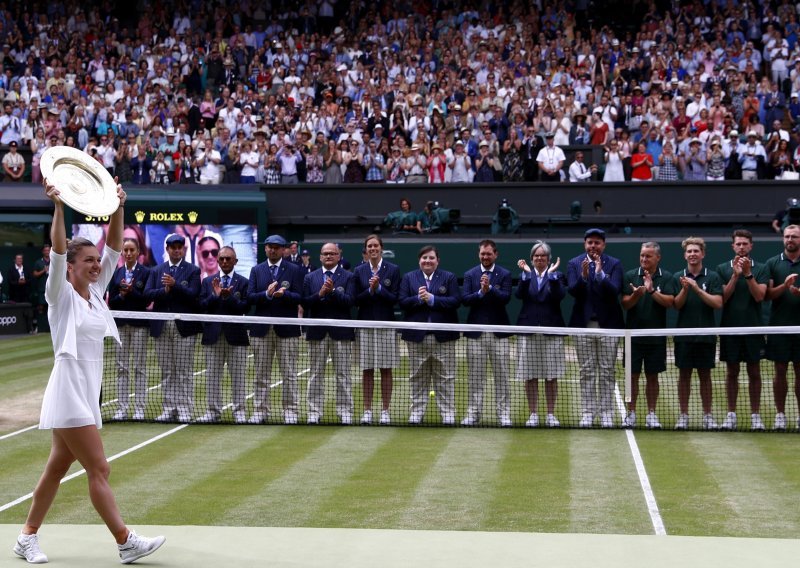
{"x":627,"y":365}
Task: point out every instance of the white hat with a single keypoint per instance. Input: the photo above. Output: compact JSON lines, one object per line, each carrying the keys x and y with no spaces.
{"x":752,"y":133}
{"x":342,"y":67}
{"x":597,"y":110}
{"x":794,"y":95}
{"x":734,"y":132}
{"x":695,"y":140}
{"x":615,"y":41}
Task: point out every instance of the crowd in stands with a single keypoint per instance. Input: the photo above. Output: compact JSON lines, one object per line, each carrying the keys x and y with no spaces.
{"x":425,"y":92}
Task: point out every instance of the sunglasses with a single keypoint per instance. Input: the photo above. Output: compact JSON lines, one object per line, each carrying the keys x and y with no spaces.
{"x":212,"y":252}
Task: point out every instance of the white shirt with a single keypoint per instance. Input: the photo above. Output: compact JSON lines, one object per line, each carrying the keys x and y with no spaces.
{"x":578,"y":172}
{"x":550,"y":157}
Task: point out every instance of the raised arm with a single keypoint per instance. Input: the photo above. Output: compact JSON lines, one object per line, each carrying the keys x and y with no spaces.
{"x":115,"y":227}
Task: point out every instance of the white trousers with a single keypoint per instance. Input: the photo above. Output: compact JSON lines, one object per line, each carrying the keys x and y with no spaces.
{"x":596,"y":358}
{"x":217,"y":356}
{"x":131,"y":358}
{"x":433,"y":367}
{"x":492,"y":351}
{"x":285,"y":350}
{"x":175,"y":355}
{"x":340,"y":353}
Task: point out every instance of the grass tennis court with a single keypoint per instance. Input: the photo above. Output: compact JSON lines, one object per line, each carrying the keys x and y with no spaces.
{"x":542,"y":481}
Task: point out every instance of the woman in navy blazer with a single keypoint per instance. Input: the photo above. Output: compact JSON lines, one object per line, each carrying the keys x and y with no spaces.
{"x":541,"y":355}
{"x":126,"y":293}
{"x":377,"y":285}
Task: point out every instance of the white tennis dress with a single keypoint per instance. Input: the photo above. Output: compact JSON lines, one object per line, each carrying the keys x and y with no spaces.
{"x":72,"y":397}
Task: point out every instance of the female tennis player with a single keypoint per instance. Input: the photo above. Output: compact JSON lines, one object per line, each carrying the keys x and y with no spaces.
{"x":79,"y":320}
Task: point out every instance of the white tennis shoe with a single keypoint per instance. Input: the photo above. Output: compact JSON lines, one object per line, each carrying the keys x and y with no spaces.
{"x":137,"y":547}
{"x":27,"y":547}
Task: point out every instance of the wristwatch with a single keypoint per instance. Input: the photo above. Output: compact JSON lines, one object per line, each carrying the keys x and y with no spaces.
{"x":749,"y":277}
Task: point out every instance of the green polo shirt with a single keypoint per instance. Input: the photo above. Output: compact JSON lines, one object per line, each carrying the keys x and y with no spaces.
{"x":786,"y":307}
{"x":647,"y":313}
{"x":741,"y":309}
{"x":695,"y":312}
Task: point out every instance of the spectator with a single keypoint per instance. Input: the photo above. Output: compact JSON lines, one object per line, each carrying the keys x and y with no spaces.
{"x":13,"y":164}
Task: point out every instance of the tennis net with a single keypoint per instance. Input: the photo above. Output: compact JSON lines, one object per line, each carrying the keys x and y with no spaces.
{"x":251,"y":370}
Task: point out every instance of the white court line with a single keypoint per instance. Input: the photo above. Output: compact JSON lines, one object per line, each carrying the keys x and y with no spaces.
{"x":644,"y":480}
{"x":112,"y":458}
{"x":12,"y":434}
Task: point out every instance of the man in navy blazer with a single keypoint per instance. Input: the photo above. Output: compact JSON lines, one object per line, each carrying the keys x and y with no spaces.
{"x":430,"y":295}
{"x":126,"y":293}
{"x":276,"y":290}
{"x":487,"y":291}
{"x":329,"y":293}
{"x":377,"y":284}
{"x":595,"y":281}
{"x":225,"y":293}
{"x":174,"y":287}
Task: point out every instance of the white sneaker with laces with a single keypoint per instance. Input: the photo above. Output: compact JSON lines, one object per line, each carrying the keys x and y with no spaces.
{"x":289,"y":417}
{"x":346,"y":419}
{"x":683,"y":422}
{"x":366,"y":418}
{"x":533,"y":421}
{"x":606,"y":420}
{"x":258,"y":417}
{"x":448,"y":420}
{"x":505,"y":421}
{"x":27,"y":547}
{"x":756,"y":424}
{"x":313,"y":419}
{"x":587,"y":418}
{"x":386,"y":418}
{"x":551,"y":421}
{"x":780,"y":422}
{"x":166,"y":416}
{"x":209,"y":417}
{"x":470,"y":421}
{"x":651,"y":421}
{"x":415,"y":418}
{"x":239,"y":417}
{"x":709,"y":423}
{"x":730,"y":422}
{"x":184,"y":417}
{"x":121,"y":414}
{"x":138,"y":415}
{"x":137,"y":547}
{"x":630,"y":420}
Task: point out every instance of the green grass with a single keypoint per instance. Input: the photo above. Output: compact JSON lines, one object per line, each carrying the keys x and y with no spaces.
{"x":705,"y":484}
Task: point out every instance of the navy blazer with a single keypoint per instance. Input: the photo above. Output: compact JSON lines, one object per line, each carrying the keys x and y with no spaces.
{"x":135,"y":300}
{"x":447,"y":298}
{"x":335,"y":305}
{"x":541,"y":306}
{"x":490,"y":308}
{"x":182,"y":299}
{"x":599,"y":298}
{"x":234,"y":305}
{"x":290,"y":276}
{"x":380,"y":305}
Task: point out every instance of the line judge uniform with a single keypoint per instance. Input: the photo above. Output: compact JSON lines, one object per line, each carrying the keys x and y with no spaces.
{"x":334,"y":341}
{"x":225,"y":343}
{"x":377,"y":348}
{"x":77,"y":326}
{"x":275,"y":341}
{"x":134,"y":334}
{"x":431,"y":354}
{"x":487,"y":348}
{"x":596,"y":306}
{"x":175,"y":339}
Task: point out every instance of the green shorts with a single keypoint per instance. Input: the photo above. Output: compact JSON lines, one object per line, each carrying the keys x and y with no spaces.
{"x":652,"y":356}
{"x":741,"y":348}
{"x":695,"y":355}
{"x":783,"y":348}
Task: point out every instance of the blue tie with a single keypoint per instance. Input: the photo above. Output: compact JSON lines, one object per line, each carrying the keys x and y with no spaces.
{"x":173,"y":268}
{"x":226,"y":280}
{"x":328,"y":274}
{"x":274,"y":270}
